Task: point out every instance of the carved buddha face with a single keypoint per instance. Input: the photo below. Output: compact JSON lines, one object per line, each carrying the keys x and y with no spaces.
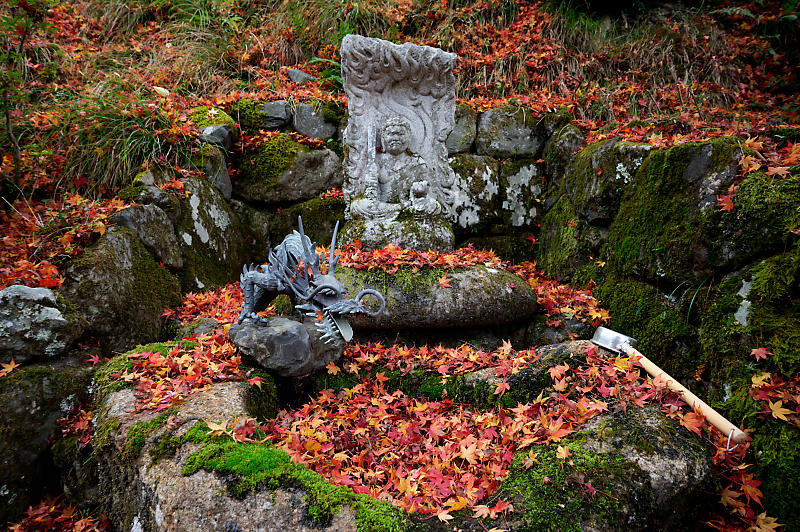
{"x":396,"y":135}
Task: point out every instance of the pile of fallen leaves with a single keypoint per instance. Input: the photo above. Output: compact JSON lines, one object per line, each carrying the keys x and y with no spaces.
{"x":162,"y":379}
{"x":37,"y":234}
{"x":222,"y":305}
{"x":437,"y":456}
{"x":78,"y":422}
{"x":392,"y":258}
{"x":561,"y":301}
{"x":53,"y":515}
{"x":778,"y":396}
{"x":442,"y":360}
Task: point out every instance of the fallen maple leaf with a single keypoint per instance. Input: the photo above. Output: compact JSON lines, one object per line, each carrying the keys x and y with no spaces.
{"x":778,"y":170}
{"x":332,"y":368}
{"x":562,"y":453}
{"x":444,"y":282}
{"x":760,"y":353}
{"x":8,"y":368}
{"x":444,"y":516}
{"x":502,"y":388}
{"x":778,"y":411}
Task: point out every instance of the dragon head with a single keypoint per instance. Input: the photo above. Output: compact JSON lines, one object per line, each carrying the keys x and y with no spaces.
{"x":323,"y":294}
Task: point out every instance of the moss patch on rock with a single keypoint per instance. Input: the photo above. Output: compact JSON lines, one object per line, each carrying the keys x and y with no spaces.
{"x":766,"y":210}
{"x":642,"y":312}
{"x":202,"y":117}
{"x":553,"y":498}
{"x":667,"y":218}
{"x":259,"y":172}
{"x":253,"y":466}
{"x":120,"y":290}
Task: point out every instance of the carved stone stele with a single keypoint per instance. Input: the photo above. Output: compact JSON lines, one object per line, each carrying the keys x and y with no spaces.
{"x":401,"y":103}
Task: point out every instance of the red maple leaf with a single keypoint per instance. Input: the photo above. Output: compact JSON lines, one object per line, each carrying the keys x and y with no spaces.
{"x":760,"y":353}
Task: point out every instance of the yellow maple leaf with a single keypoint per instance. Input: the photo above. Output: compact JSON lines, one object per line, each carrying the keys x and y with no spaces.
{"x":778,"y":411}
{"x":760,"y":379}
{"x":765,"y":523}
{"x":562,"y":453}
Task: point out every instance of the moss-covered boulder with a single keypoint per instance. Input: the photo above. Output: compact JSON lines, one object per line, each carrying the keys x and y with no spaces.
{"x":210,"y":235}
{"x":158,"y":471}
{"x":462,"y":136}
{"x":432,"y":298}
{"x":596,"y":178}
{"x":633,"y":469}
{"x":211,"y":161}
{"x":120,"y":291}
{"x":253,"y":115}
{"x":521,"y":182}
{"x":284,"y":171}
{"x":153,"y":228}
{"x":667,"y":221}
{"x":560,"y":148}
{"x":765,"y":219}
{"x":567,"y":244}
{"x":33,"y":398}
{"x":476,"y":190}
{"x":508,"y":131}
{"x":319,"y":219}
{"x":758,"y":308}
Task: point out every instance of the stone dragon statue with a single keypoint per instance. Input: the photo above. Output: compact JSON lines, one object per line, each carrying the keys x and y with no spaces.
{"x":293,"y":269}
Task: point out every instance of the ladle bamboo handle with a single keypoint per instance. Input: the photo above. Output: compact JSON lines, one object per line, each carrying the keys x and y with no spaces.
{"x":713,"y":417}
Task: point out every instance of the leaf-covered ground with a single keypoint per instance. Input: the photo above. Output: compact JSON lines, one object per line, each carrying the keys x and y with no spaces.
{"x":94,"y":92}
{"x":439,"y":456}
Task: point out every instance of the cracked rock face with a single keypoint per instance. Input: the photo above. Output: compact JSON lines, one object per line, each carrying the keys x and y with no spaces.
{"x":32,"y":326}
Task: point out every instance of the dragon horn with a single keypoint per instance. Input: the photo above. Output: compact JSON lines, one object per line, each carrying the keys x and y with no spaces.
{"x":306,"y":252}
{"x":332,"y":260}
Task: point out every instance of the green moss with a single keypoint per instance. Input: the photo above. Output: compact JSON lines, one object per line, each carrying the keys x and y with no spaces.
{"x":319,"y":218}
{"x":283,"y":305}
{"x":659,"y":231}
{"x":561,"y":503}
{"x":247,"y":112}
{"x":262,"y":401}
{"x":259,"y":172}
{"x":203,"y":117}
{"x":138,"y":433}
{"x":104,"y":383}
{"x":642,"y":312}
{"x":133,"y":313}
{"x":253,"y":466}
{"x":333,"y":112}
{"x":559,"y":252}
{"x":131,"y":193}
{"x":766,"y":211}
